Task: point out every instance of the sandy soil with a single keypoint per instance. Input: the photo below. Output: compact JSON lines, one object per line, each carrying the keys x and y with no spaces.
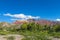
{"x":17,"y":37}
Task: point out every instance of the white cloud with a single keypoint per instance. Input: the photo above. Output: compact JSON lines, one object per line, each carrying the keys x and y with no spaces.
{"x":15,"y":15}
{"x":22,"y":16}
{"x":8,"y":14}
{"x":34,"y":17}
{"x":57,"y":19}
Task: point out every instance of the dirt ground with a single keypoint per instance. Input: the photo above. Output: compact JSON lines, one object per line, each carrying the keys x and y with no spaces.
{"x":16,"y":37}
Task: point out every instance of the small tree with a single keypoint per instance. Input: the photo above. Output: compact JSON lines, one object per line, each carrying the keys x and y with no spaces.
{"x":24,"y":27}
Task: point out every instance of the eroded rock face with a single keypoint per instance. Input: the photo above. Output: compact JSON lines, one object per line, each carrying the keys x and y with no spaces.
{"x":5,"y":24}
{"x":20,"y":22}
{"x":42,"y":22}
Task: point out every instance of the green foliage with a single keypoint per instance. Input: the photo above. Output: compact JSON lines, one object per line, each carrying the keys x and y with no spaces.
{"x":24,"y":27}
{"x":56,"y":34}
{"x":4,"y":32}
{"x":10,"y":38}
{"x":56,"y":28}
{"x":32,"y":27}
{"x":32,"y":31}
{"x":36,"y":36}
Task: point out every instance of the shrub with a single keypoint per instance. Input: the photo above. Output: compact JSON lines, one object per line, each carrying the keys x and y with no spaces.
{"x":10,"y":38}
{"x":56,"y":28}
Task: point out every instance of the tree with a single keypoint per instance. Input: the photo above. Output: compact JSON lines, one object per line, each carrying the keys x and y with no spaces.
{"x":24,"y":26}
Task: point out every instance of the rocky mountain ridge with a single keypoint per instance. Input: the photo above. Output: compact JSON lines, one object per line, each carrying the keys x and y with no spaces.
{"x":41,"y":22}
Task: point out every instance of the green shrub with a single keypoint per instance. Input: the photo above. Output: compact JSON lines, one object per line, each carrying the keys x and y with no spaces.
{"x":10,"y":38}
{"x":56,"y":28}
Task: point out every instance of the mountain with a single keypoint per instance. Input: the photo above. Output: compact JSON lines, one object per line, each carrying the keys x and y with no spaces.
{"x":41,"y":21}
{"x":3,"y":24}
{"x":19,"y":22}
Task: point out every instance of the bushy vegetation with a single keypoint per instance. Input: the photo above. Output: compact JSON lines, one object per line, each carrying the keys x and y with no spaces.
{"x":33,"y":31}
{"x":10,"y":38}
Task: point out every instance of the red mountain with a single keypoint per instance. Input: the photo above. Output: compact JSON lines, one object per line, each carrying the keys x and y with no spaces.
{"x":42,"y":22}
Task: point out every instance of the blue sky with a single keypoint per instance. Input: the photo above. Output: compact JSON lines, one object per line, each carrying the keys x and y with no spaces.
{"x":45,"y":9}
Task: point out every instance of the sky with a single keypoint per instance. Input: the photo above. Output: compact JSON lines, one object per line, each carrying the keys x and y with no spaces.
{"x":11,"y":10}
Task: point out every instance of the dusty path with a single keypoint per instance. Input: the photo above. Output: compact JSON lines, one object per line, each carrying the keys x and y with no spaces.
{"x":17,"y":37}
{"x":56,"y":39}
{"x":2,"y":37}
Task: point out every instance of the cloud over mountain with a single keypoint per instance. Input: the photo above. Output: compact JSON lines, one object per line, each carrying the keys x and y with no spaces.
{"x":22,"y":16}
{"x":57,"y":19}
